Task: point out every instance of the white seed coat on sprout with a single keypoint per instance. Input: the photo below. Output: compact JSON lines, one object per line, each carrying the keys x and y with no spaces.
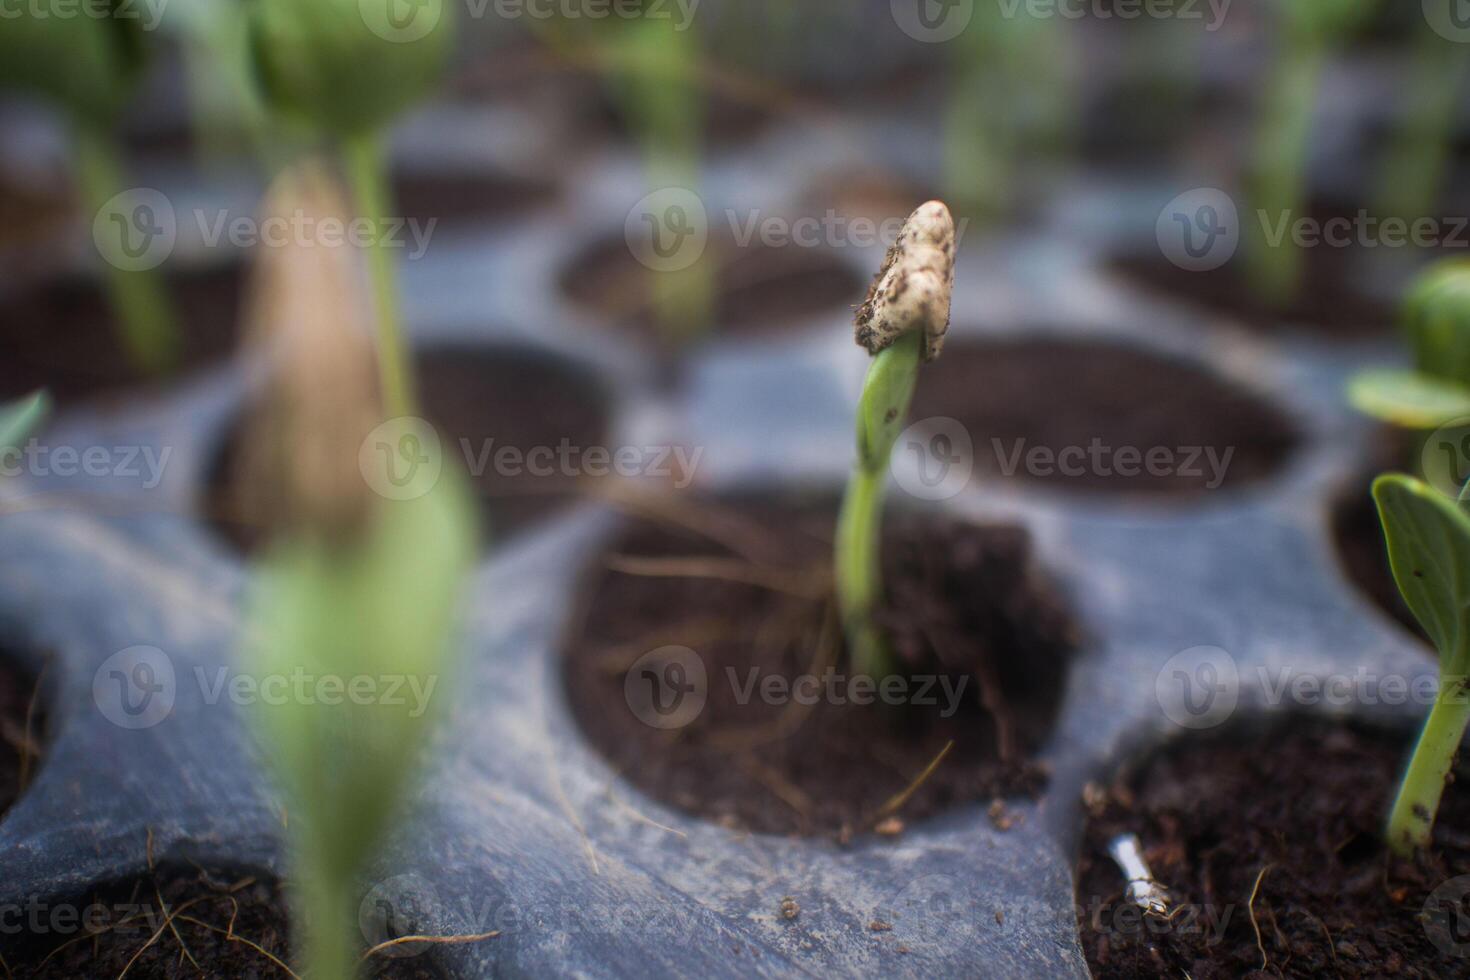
{"x":912,"y":290}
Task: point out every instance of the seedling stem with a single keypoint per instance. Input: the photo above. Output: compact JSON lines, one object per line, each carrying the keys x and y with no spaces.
{"x":367,"y":175}
{"x":137,"y":299}
{"x":881,"y":413}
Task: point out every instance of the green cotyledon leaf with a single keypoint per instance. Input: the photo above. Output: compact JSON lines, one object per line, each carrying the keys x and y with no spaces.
{"x":1428,"y":538}
{"x":1408,"y":398}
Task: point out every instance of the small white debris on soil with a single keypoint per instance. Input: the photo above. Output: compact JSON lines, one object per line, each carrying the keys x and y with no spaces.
{"x":912,"y":290}
{"x":1095,"y":798}
{"x":878,"y":925}
{"x":789,"y":908}
{"x":890,"y":827}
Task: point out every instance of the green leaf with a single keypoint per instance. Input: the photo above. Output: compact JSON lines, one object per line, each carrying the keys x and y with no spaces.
{"x":87,"y":62}
{"x":1408,"y":398}
{"x":383,"y":609}
{"x":1436,"y":321}
{"x":1428,"y":539}
{"x":347,"y":67}
{"x":19,"y":419}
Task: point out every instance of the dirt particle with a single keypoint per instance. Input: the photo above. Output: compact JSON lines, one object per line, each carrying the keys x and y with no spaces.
{"x":890,"y":827}
{"x":1000,"y":917}
{"x":878,"y":925}
{"x":1000,"y":817}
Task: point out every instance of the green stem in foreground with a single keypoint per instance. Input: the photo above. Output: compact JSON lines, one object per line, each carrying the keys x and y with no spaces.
{"x":329,"y":947}
{"x":367,"y":172}
{"x":1412,"y":821}
{"x":858,"y":570}
{"x":144,"y":315}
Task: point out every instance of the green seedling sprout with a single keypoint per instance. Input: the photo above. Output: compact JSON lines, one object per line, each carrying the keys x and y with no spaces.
{"x":340,"y":70}
{"x":356,"y":584}
{"x":1428,"y":538}
{"x":1436,"y":324}
{"x":653,"y":72}
{"x":1276,"y":182}
{"x":1009,"y":101}
{"x":902,"y":324}
{"x":1413,"y":171}
{"x":19,"y":419}
{"x":90,"y":67}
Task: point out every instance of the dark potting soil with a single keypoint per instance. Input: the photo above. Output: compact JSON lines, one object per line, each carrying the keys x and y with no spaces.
{"x":482,"y":401}
{"x":451,"y":200}
{"x":223,"y":927}
{"x":1358,"y":534}
{"x":61,"y":334}
{"x":746,"y":590}
{"x":1330,"y":299}
{"x":758,"y":289}
{"x":22,"y":727}
{"x":1058,"y":399}
{"x":1292,"y":815}
{"x":1360,"y":546}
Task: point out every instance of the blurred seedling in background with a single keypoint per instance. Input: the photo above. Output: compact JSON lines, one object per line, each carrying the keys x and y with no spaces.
{"x":1415,"y":165}
{"x":1009,"y":107}
{"x":653,"y":69}
{"x":90,"y":67}
{"x":902,"y":323}
{"x":1428,"y":537}
{"x":353,"y":585}
{"x":21,"y":418}
{"x":1309,"y":32}
{"x":1436,"y":325}
{"x":333,"y":71}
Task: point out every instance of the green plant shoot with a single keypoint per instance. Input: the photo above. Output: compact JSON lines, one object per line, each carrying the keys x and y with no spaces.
{"x":1277,"y":177}
{"x":1415,"y":164}
{"x":1009,"y":102}
{"x":1436,"y":324}
{"x":341,"y":70}
{"x":20,"y":418}
{"x":381,"y":605}
{"x":355,"y":584}
{"x":652,"y":71}
{"x":90,"y":67}
{"x":902,"y":324}
{"x":1428,"y":538}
